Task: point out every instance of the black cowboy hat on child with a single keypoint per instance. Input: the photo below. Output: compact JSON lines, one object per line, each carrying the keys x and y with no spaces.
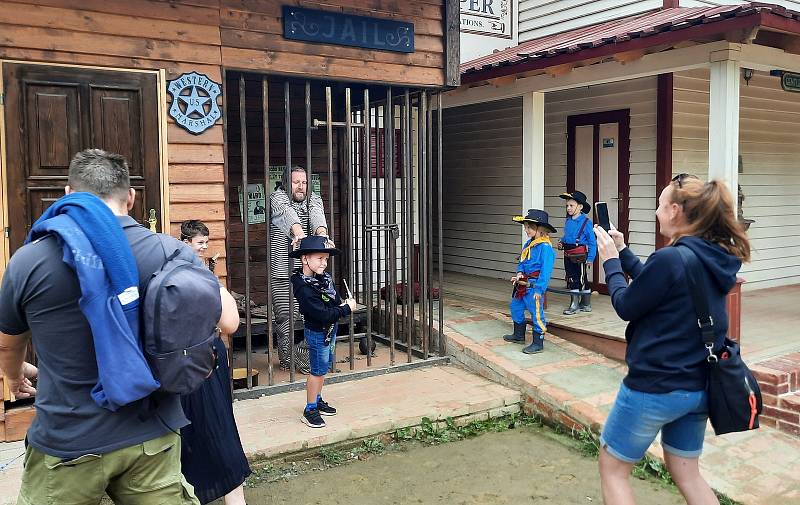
{"x":314,"y":244}
{"x":578,"y":197}
{"x":537,"y":217}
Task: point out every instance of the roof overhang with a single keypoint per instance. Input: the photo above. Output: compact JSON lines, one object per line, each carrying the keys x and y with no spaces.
{"x":743,"y":27}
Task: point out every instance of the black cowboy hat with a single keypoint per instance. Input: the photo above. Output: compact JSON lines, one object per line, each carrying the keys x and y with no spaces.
{"x":537,"y":217}
{"x":314,"y":244}
{"x":578,"y":197}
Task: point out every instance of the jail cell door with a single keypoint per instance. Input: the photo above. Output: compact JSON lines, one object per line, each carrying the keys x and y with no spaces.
{"x":51,"y":113}
{"x":598,"y":159}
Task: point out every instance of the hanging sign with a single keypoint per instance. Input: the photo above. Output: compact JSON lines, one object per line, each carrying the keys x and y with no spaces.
{"x":328,"y":27}
{"x":487,"y":17}
{"x":194,"y":102}
{"x":256,"y":204}
{"x":790,"y":82}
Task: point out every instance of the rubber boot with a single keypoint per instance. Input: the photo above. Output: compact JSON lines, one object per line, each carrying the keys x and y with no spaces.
{"x":536,"y":346}
{"x":519,"y":334}
{"x":573,"y":305}
{"x":586,"y":303}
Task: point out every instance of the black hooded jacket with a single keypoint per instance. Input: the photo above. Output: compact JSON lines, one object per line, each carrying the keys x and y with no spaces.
{"x":665,"y":349}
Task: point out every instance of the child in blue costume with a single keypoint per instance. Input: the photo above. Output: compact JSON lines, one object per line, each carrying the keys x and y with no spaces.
{"x":580,"y":247}
{"x":530,"y":282}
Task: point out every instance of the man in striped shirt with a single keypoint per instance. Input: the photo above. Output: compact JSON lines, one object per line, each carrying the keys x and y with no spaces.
{"x":295,"y":213}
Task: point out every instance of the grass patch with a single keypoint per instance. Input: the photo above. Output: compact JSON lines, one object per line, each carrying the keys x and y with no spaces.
{"x":439,"y":432}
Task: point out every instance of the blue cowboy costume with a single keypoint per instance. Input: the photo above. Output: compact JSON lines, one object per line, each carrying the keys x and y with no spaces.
{"x":536,"y":265}
{"x":578,"y":236}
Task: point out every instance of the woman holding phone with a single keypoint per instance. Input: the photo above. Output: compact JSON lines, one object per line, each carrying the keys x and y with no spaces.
{"x":665,"y":388}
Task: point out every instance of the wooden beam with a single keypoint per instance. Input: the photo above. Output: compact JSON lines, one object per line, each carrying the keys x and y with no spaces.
{"x":503,"y":81}
{"x":452,"y":34}
{"x":629,"y":56}
{"x":557,"y":70}
{"x":664,"y":118}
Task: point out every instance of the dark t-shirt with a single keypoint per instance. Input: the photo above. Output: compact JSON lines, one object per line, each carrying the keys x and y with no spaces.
{"x":40,"y":293}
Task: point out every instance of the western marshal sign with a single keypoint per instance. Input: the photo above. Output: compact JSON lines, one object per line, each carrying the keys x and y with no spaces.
{"x":194,"y":102}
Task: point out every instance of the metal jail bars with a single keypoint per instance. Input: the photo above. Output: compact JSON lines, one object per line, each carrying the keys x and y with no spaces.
{"x":369,"y":150}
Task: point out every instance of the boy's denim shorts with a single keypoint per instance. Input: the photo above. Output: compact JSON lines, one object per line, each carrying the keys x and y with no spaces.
{"x":637,"y":417}
{"x":319,"y":354}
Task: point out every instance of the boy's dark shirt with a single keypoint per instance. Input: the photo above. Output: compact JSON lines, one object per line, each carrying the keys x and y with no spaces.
{"x":40,"y":292}
{"x":317,"y":313}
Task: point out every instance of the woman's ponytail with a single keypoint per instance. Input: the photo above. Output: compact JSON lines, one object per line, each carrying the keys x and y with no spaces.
{"x":709,"y":213}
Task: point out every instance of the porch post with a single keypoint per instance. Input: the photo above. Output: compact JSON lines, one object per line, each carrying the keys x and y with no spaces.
{"x":723,"y":120}
{"x":532,"y":152}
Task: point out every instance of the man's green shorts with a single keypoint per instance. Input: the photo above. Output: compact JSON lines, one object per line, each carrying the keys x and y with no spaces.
{"x":143,"y":474}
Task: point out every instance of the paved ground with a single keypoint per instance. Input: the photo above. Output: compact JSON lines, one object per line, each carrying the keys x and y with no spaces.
{"x":577,"y":387}
{"x":271,"y":425}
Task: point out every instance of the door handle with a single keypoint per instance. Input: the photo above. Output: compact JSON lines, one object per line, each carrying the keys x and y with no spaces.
{"x":152,"y":220}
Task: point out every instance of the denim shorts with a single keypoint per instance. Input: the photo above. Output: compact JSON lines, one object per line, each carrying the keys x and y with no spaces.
{"x":637,"y":417}
{"x":319,"y":354}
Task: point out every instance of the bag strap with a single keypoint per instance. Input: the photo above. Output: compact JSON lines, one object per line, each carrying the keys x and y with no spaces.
{"x":700,"y":298}
{"x":580,"y":230}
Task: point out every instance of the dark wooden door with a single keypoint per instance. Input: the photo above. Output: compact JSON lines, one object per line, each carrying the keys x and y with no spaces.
{"x":598,"y":161}
{"x":54,"y":112}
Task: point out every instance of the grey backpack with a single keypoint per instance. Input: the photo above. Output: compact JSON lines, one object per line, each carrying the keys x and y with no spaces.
{"x":181,"y":308}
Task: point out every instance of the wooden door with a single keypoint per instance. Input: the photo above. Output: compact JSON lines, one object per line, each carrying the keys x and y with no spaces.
{"x":54,"y":112}
{"x":598,"y":160}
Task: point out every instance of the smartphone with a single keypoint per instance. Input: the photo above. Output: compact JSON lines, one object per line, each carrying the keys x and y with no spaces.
{"x":601,"y":208}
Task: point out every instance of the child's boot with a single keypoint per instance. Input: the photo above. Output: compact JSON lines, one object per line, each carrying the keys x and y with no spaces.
{"x":519,"y":334}
{"x":536,"y":346}
{"x":574,"y":304}
{"x":586,"y":303}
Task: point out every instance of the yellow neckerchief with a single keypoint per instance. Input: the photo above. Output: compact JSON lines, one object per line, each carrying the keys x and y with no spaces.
{"x":526,"y":253}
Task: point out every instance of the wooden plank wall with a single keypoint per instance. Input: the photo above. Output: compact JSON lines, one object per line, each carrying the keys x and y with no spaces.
{"x":145,"y":34}
{"x":251,"y":38}
{"x":769,"y":145}
{"x":482,"y":171}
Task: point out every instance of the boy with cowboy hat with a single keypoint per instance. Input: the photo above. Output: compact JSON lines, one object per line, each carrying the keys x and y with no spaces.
{"x":530,"y":282}
{"x":580,"y":247}
{"x":321,"y":307}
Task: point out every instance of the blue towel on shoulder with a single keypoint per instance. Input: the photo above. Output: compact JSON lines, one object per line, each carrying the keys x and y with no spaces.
{"x":96,"y":248}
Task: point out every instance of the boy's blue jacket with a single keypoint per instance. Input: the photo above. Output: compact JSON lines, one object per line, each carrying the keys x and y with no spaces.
{"x":538,"y":256}
{"x":587,"y":238}
{"x":96,"y":248}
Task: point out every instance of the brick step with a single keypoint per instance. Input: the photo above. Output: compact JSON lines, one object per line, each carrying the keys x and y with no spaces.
{"x":779,"y":380}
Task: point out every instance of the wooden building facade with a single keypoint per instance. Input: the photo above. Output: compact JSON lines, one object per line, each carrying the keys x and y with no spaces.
{"x":75,"y":75}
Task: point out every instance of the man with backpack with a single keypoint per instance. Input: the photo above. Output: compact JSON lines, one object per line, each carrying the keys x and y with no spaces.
{"x":104,"y":423}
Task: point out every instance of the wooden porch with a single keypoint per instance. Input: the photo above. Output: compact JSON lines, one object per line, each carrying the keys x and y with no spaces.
{"x":769,"y":316}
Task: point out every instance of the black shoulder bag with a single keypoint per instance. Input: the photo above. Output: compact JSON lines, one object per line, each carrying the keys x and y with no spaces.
{"x":734,"y":398}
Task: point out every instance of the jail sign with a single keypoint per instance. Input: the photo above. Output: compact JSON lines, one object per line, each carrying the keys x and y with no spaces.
{"x":194,"y":102}
{"x":330,"y":27}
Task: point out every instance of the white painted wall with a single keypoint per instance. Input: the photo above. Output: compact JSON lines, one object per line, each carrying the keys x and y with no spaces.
{"x":538,"y":18}
{"x":769,"y":145}
{"x":638,"y":95}
{"x":482,"y":177}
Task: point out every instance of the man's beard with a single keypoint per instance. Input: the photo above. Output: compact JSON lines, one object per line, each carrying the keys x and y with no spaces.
{"x":300,"y":198}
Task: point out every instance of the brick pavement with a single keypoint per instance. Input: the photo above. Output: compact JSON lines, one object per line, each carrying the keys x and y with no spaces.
{"x":576,"y":387}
